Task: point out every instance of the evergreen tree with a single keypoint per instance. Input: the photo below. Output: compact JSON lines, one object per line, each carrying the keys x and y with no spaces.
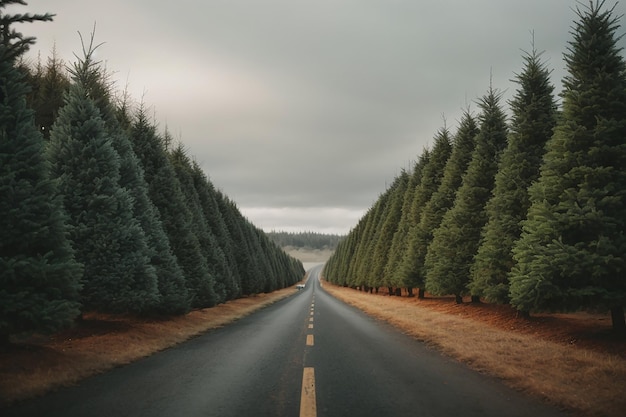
{"x":166,"y":194}
{"x":170,"y":280}
{"x":400,"y":237}
{"x":389,"y":225}
{"x":534,"y":117}
{"x":51,"y":87}
{"x":572,"y":250}
{"x":440,"y":202}
{"x":39,"y":277}
{"x":208,"y":202}
{"x":364,"y":260}
{"x":455,"y":242}
{"x":432,"y":175}
{"x":108,"y":239}
{"x":212,"y":253}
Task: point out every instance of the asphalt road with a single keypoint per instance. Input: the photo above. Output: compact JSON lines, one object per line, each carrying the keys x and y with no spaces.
{"x":308,"y":355}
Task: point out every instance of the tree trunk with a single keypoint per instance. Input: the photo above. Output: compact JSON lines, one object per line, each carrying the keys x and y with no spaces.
{"x":390,"y":289}
{"x":409,"y":291}
{"x":421,"y":293}
{"x":475,"y":299}
{"x":458,"y":299}
{"x":617,"y":319}
{"x":399,"y":292}
{"x":377,"y":290}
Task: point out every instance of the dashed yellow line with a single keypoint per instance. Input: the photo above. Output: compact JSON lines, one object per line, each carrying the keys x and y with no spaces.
{"x":309,"y":340}
{"x":308,"y":405}
{"x":310,"y":326}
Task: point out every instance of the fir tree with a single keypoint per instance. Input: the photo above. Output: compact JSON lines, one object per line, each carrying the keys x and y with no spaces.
{"x":39,"y":277}
{"x":173,"y":297}
{"x":107,"y":238}
{"x":52,"y":86}
{"x":534,"y":117}
{"x":440,"y":202}
{"x":572,"y":250}
{"x":213,"y":254}
{"x":166,"y":194}
{"x":400,"y":237}
{"x":455,"y":242}
{"x":430,"y":181}
{"x":389,"y":225}
{"x":208,"y":202}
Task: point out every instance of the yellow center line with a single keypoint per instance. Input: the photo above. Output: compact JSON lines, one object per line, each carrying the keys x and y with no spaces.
{"x":312,"y":312}
{"x":308,"y":406}
{"x":309,"y":340}
{"x":310,"y":326}
{"x":311,"y":319}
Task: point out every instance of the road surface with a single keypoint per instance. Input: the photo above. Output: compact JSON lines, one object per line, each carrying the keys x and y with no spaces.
{"x":307,"y":355}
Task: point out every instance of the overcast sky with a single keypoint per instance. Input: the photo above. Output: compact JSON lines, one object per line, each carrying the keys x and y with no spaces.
{"x":302,"y":112}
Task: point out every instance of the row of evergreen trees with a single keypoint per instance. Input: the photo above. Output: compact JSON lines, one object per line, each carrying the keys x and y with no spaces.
{"x":530,"y":212}
{"x":308,"y":240}
{"x":103,"y":213}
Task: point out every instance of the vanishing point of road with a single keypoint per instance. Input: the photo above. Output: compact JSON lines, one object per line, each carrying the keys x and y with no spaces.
{"x":307,"y":355}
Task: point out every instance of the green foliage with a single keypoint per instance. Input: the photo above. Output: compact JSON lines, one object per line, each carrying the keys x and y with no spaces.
{"x":410,"y":271}
{"x":228,"y":279}
{"x":455,"y":242}
{"x":571,"y":251}
{"x":392,"y":273}
{"x":534,"y":118}
{"x":15,"y":44}
{"x":151,"y":232}
{"x":108,"y":240}
{"x":50,"y":85}
{"x":387,"y":228}
{"x":211,"y":251}
{"x":167,"y":195}
{"x":308,"y":240}
{"x":440,"y":201}
{"x":39,"y":277}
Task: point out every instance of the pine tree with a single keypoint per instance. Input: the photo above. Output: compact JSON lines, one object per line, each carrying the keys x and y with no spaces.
{"x":455,"y":242}
{"x":534,"y":117}
{"x":441,"y":201}
{"x":39,"y":276}
{"x":572,"y":250}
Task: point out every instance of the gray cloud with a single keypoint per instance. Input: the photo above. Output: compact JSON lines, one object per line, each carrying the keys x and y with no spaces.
{"x":298,"y":108}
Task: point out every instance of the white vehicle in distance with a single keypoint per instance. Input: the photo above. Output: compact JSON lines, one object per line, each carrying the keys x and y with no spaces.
{"x":300,"y":286}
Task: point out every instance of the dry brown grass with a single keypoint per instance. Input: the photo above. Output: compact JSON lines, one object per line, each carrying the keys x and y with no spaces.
{"x":565,"y":374}
{"x":39,"y":364}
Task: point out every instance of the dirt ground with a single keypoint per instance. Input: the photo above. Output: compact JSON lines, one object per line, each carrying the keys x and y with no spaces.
{"x":582,"y":329}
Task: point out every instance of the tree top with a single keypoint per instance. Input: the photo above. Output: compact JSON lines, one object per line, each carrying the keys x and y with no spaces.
{"x":13,"y":43}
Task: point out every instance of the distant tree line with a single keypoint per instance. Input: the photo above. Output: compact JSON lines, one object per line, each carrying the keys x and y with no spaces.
{"x":530,"y":212}
{"x":100,"y":212}
{"x":307,"y":240}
